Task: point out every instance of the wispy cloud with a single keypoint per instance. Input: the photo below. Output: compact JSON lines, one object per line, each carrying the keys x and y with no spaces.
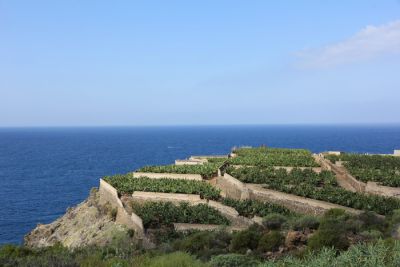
{"x":371,"y":42}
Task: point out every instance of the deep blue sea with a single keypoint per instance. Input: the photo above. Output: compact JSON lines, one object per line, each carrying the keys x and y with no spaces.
{"x":43,"y":171}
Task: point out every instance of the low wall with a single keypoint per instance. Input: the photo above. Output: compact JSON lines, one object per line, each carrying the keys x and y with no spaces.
{"x":210,"y":156}
{"x":232,"y":187}
{"x":189,"y":162}
{"x":374,"y":188}
{"x":356,"y":184}
{"x":108,"y":194}
{"x":186,"y":227}
{"x":230,"y":213}
{"x":153,"y":175}
{"x":320,"y":160}
{"x":165,"y":197}
{"x":293,"y":202}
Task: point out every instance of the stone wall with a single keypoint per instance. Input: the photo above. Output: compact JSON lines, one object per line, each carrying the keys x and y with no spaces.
{"x":189,"y":162}
{"x":165,"y":197}
{"x":152,"y":175}
{"x":108,"y":194}
{"x":187,"y":227}
{"x":232,"y":187}
{"x":294,"y":203}
{"x":210,"y":156}
{"x":374,"y":188}
{"x":230,"y":213}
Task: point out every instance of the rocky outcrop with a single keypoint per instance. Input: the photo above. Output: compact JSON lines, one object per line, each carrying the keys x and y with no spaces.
{"x":89,"y":223}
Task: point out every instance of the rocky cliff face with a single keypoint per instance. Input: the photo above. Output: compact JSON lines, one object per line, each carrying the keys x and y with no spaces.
{"x":89,"y":223}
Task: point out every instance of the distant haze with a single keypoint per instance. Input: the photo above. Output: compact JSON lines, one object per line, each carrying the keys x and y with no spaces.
{"x":87,"y":63}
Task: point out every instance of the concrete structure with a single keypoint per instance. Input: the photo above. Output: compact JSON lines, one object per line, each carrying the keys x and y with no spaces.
{"x":108,"y":194}
{"x":186,"y":227}
{"x":295,"y":203}
{"x":337,"y":153}
{"x":232,"y":187}
{"x":374,"y":188}
{"x":152,"y":175}
{"x":396,"y":152}
{"x":165,"y":197}
{"x":205,"y":157}
{"x":189,"y":162}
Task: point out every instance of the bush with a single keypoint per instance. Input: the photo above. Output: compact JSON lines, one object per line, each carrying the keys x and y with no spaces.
{"x":274,"y":221}
{"x":233,"y":260}
{"x":175,"y":259}
{"x":331,"y":233}
{"x":246,"y":239}
{"x":371,"y":234}
{"x":270,"y":241}
{"x":305,"y":222}
{"x":204,"y":244}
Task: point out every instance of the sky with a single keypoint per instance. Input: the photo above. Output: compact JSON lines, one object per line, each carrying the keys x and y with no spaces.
{"x":116,"y":63}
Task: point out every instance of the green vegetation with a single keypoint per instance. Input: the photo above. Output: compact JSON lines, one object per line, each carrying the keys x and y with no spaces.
{"x":126,"y":184}
{"x":382,"y":169}
{"x":381,"y":253}
{"x":250,"y":208}
{"x":267,"y":157}
{"x":155,"y":214}
{"x":321,"y":186}
{"x":233,"y":260}
{"x":270,"y":241}
{"x":206,"y":170}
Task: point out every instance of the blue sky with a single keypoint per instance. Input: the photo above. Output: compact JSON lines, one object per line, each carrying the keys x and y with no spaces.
{"x":89,"y":63}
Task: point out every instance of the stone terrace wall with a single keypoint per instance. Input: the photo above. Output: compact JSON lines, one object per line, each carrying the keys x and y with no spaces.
{"x":165,"y":197}
{"x":374,"y":188}
{"x":232,"y":187}
{"x":230,"y":213}
{"x":108,"y":194}
{"x":152,"y":175}
{"x":189,"y":162}
{"x":293,"y":202}
{"x":186,"y":227}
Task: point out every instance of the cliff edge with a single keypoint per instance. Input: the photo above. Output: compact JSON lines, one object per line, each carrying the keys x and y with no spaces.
{"x":89,"y":223}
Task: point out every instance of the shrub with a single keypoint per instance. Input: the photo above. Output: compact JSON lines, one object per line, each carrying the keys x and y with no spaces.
{"x":270,"y":241}
{"x":175,"y":259}
{"x":305,"y":222}
{"x":233,"y":260}
{"x":331,"y":233}
{"x":204,"y":244}
{"x":246,"y":239}
{"x":274,"y":221}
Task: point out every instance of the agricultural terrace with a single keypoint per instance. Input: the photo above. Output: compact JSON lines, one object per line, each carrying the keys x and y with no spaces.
{"x":384,"y":170}
{"x":157,"y":214}
{"x":126,"y":184}
{"x":320,"y":186}
{"x":267,"y":157}
{"x":250,"y":208}
{"x":206,"y":170}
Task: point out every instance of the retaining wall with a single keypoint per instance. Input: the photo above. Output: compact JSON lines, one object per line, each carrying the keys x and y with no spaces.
{"x":153,"y":175}
{"x":165,"y":197}
{"x":108,"y":194}
{"x":374,"y":188}
{"x":189,"y":162}
{"x":186,"y":227}
{"x":210,"y":156}
{"x":230,"y":213}
{"x":293,"y":202}
{"x":232,"y":187}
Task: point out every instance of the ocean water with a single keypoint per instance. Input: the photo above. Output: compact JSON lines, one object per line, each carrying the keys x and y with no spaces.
{"x":43,"y":171}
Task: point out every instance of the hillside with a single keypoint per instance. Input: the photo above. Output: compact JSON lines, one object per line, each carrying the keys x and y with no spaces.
{"x":261,"y":203}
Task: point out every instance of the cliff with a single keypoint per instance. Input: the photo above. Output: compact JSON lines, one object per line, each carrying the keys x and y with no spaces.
{"x":89,"y":223}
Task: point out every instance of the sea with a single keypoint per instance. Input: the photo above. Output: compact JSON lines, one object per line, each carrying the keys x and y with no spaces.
{"x":43,"y":171}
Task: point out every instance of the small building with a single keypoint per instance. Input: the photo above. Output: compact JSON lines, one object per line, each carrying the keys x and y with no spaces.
{"x":396,"y":152}
{"x":337,"y":153}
